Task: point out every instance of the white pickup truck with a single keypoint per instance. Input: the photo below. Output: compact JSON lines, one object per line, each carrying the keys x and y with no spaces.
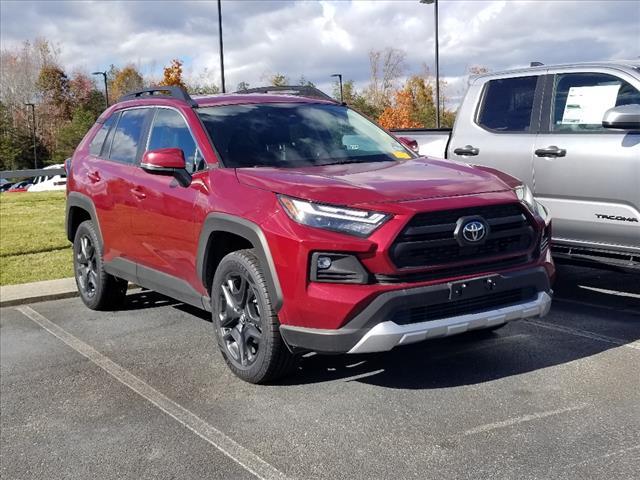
{"x":572,"y":134}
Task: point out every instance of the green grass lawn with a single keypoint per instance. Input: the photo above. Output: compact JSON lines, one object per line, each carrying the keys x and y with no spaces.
{"x":33,"y":243}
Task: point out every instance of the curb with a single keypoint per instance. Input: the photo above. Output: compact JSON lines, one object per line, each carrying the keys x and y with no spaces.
{"x":12,"y":295}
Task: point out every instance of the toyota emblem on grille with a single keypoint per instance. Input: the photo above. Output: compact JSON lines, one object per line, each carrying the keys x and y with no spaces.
{"x":471,"y":231}
{"x":474,"y":231}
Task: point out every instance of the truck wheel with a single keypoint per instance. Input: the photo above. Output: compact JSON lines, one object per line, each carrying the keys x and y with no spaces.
{"x":246,"y":325}
{"x":98,"y":290}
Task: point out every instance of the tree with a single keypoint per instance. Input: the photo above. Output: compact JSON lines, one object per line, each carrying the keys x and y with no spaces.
{"x":84,"y":94}
{"x":203,"y":85}
{"x":305,"y":83}
{"x":172,"y":75}
{"x":242,"y":86}
{"x":354,"y":99}
{"x":124,"y":81}
{"x":403,"y":112}
{"x":279,"y":80}
{"x":53,"y":86}
{"x":72,"y":133}
{"x":386,"y":67}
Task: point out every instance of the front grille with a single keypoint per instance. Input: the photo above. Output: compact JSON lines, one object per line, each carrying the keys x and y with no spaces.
{"x":461,"y":307}
{"x":428,"y":240}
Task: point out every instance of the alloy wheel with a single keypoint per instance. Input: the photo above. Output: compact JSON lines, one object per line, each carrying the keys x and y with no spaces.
{"x":240,"y":319}
{"x":86,"y":267}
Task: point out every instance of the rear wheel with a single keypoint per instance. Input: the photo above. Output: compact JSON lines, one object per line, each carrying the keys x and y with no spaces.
{"x":98,"y":290}
{"x":246,"y":324}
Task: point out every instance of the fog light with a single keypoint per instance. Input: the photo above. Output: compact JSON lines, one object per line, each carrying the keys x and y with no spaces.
{"x":324,"y":263}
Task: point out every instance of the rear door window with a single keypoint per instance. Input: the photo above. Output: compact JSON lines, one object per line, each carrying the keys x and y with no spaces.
{"x":508,"y":104}
{"x":127,"y":134}
{"x":581,"y":99}
{"x":95,"y":148}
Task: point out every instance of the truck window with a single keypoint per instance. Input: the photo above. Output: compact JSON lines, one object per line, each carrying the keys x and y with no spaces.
{"x":127,"y":134}
{"x":507,"y":104}
{"x":581,"y":99}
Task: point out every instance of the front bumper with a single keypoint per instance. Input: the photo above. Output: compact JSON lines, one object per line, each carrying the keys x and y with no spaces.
{"x":391,"y":318}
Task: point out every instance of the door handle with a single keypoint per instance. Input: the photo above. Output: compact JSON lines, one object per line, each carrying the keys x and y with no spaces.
{"x":93,"y":176}
{"x":467,"y":151}
{"x":138,"y":193}
{"x":551,"y":151}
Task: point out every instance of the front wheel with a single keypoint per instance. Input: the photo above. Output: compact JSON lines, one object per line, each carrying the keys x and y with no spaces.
{"x":246,"y":324}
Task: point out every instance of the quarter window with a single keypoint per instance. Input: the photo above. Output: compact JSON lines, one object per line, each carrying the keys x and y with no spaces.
{"x":507,"y":104}
{"x":127,"y":135}
{"x":95,"y":148}
{"x":171,"y":131}
{"x":581,"y":99}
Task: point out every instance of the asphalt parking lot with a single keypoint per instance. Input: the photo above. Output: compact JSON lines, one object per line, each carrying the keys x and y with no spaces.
{"x":142,"y":393}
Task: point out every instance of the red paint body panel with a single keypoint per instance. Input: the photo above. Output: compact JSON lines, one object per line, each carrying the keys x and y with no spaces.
{"x":152,"y":221}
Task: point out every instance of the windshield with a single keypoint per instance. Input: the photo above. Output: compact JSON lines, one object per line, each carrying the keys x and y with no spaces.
{"x":297,"y":135}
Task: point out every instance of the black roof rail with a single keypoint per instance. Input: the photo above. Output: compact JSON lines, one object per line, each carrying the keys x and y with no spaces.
{"x":299,"y":90}
{"x":178,"y":93}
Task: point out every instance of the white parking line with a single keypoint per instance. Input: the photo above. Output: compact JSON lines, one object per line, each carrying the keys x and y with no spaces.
{"x":611,"y":292}
{"x":236,"y":452}
{"x":585,"y":334}
{"x":524,"y":418}
{"x":622,"y":451}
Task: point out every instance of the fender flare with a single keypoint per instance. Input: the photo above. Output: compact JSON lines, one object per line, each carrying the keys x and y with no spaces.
{"x":76,"y":199}
{"x":223,"y":222}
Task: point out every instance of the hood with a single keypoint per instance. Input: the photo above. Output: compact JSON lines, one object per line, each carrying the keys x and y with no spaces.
{"x":383,"y":182}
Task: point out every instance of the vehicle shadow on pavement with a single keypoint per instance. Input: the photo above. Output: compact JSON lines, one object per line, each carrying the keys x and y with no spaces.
{"x":144,"y":299}
{"x":467,"y":359}
{"x":604,"y":303}
{"x":586,"y":299}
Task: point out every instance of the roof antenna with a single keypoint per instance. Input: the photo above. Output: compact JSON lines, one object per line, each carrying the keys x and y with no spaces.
{"x":536,"y":64}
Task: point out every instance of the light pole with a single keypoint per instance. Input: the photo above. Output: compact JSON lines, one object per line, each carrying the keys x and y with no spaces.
{"x":33,"y":130}
{"x":339,"y":75}
{"x":221,"y":46}
{"x":435,"y":5}
{"x":106,"y":88}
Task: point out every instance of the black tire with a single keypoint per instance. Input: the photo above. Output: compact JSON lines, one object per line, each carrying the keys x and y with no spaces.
{"x":98,"y":290}
{"x":246,"y":325}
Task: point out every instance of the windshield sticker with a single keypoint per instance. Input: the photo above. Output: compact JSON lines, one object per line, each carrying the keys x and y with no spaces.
{"x":401,"y":154}
{"x":586,"y":105}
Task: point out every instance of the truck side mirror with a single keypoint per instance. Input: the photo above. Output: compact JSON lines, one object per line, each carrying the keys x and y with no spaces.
{"x":625,"y":117}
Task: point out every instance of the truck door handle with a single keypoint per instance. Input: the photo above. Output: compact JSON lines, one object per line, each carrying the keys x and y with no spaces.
{"x":467,"y":151}
{"x":138,"y":193}
{"x":93,"y":176}
{"x":551,"y":151}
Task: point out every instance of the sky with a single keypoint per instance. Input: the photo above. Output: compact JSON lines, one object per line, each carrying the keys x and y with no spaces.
{"x":316,"y":39}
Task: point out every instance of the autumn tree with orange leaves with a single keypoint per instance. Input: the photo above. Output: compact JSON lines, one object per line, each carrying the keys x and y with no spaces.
{"x":402,"y":113}
{"x":172,"y":75}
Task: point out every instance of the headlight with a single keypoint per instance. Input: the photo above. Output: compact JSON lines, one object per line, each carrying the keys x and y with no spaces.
{"x":345,"y":220}
{"x":526,"y":196}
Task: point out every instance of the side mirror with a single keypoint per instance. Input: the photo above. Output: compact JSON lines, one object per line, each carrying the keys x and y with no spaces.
{"x":626,"y":117}
{"x":410,"y":143}
{"x":167,"y":161}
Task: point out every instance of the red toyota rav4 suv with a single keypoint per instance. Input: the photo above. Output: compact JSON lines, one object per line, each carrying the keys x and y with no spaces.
{"x":300,"y":225}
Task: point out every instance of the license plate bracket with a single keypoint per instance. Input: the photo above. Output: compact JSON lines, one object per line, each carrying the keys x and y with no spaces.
{"x":474,"y":287}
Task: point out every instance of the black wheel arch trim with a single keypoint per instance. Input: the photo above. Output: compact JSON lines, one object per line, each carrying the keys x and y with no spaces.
{"x":79,"y":200}
{"x":223,"y":222}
